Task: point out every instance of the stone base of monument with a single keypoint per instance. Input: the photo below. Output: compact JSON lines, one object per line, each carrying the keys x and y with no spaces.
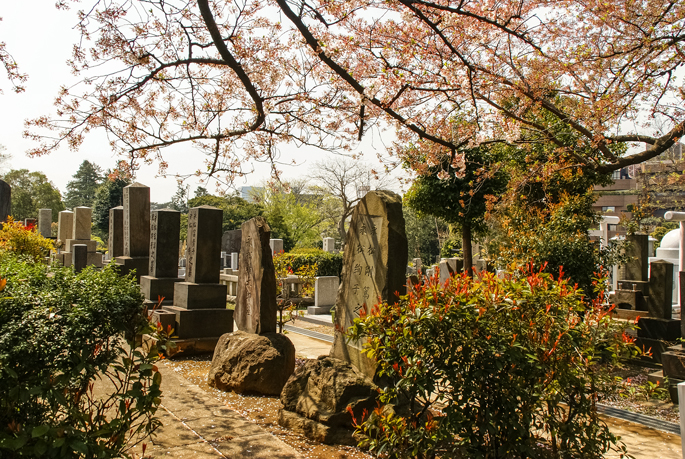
{"x":654,"y":328}
{"x":155,"y":287}
{"x":314,"y":310}
{"x":317,"y":396}
{"x":657,"y":348}
{"x":201,"y":323}
{"x":92,"y":259}
{"x":127,"y":264}
{"x":163,"y":318}
{"x":184,"y":347}
{"x":200,"y":296}
{"x":249,"y":363}
{"x":92,"y":245}
{"x":628,"y":314}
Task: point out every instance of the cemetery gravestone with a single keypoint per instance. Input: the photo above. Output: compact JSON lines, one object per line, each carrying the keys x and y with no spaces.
{"x":5,"y":201}
{"x":329,"y":244}
{"x":230,"y":241}
{"x":79,"y":257}
{"x":200,"y":302}
{"x":115,"y":244}
{"x":276,"y":246}
{"x":65,"y":226}
{"x":136,"y":230}
{"x":325,"y":294}
{"x":45,"y":222}
{"x":373,"y":270}
{"x":234,"y":261}
{"x":256,"y":309}
{"x":165,"y":229}
{"x":417,"y":265}
{"x":80,"y":235}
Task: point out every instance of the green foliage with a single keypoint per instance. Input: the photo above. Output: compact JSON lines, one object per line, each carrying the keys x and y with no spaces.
{"x":32,"y":191}
{"x":81,"y":191}
{"x":61,"y":344}
{"x":491,"y":368}
{"x":451,"y":247}
{"x":557,"y":236}
{"x":236,"y":210}
{"x":109,"y":194}
{"x":327,"y":264}
{"x":17,"y":239}
{"x":422,"y":235}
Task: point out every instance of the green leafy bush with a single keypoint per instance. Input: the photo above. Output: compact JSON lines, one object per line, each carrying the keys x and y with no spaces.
{"x":328,"y":264}
{"x":22,"y":240}
{"x":70,"y":384}
{"x":491,"y":368}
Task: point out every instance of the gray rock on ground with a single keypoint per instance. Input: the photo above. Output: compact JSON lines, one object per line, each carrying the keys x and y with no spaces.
{"x":316,"y":398}
{"x":249,"y":363}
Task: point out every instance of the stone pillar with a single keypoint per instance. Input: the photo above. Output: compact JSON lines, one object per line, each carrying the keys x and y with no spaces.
{"x":234,"y":261}
{"x":5,"y":201}
{"x":79,"y":257}
{"x":165,"y":229}
{"x":80,"y":235}
{"x":418,"y":264}
{"x":200,"y":301}
{"x":373,"y":270}
{"x":325,"y":294}
{"x":65,"y":226}
{"x":136,"y":231}
{"x":230,"y":241}
{"x":256,"y":309}
{"x":660,"y":299}
{"x":45,"y":222}
{"x":329,"y":244}
{"x":115,"y":244}
{"x":276,"y":246}
{"x":637,"y":268}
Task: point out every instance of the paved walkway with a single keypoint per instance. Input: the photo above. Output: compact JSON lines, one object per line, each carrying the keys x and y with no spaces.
{"x":196,"y":425}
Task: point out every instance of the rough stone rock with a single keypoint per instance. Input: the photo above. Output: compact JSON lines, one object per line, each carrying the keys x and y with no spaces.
{"x":316,"y":397}
{"x":248,"y":363}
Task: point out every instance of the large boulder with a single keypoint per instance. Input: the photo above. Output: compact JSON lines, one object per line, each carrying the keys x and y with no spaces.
{"x":317,"y":396}
{"x":248,"y":363}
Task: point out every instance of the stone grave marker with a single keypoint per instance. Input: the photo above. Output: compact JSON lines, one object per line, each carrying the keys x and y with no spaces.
{"x":230,"y":241}
{"x":5,"y":201}
{"x":165,"y":229}
{"x":234,"y":261}
{"x":256,"y":309}
{"x":65,"y":226}
{"x":373,"y":269}
{"x":200,"y":302}
{"x":417,"y":265}
{"x":329,"y":244}
{"x":45,"y":222}
{"x":80,"y":235}
{"x":276,"y":246}
{"x":115,"y":244}
{"x":325,"y":294}
{"x":79,"y":257}
{"x":136,"y":231}
{"x":449,"y":267}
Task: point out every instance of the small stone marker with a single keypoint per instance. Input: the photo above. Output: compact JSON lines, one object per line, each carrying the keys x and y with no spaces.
{"x":200,"y":301}
{"x":325,"y":294}
{"x":638,"y":266}
{"x":256,"y":309}
{"x":79,"y":257}
{"x":329,"y":244}
{"x":230,"y":241}
{"x":65,"y":226}
{"x":5,"y":201}
{"x":45,"y":222}
{"x":136,"y":230}
{"x":276,"y":246}
{"x":115,"y":245}
{"x":417,"y":265}
{"x":165,"y":228}
{"x":373,"y":269}
{"x":449,"y":267}
{"x":234,"y":261}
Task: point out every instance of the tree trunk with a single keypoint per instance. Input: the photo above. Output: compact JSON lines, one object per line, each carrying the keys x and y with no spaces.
{"x":466,"y":248}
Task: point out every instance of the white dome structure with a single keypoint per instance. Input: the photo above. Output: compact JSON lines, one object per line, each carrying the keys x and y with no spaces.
{"x":670,"y":245}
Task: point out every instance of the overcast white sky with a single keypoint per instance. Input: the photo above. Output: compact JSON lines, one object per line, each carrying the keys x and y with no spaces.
{"x":40,"y":39}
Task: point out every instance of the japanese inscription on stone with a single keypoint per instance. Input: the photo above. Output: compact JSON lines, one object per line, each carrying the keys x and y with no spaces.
{"x":192,"y":244}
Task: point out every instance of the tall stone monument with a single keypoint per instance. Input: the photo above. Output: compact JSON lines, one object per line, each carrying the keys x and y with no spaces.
{"x":200,"y":302}
{"x":165,"y":228}
{"x":5,"y":201}
{"x":136,"y":231}
{"x":231,"y":240}
{"x":373,"y":270}
{"x":256,"y":309}
{"x":65,"y":226}
{"x":45,"y":222}
{"x":115,"y":244}
{"x":80,"y":235}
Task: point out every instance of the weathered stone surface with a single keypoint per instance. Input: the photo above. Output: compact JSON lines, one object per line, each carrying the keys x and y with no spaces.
{"x":450,"y":267}
{"x":374,"y":268}
{"x":201,"y":323}
{"x":316,"y":397}
{"x":165,"y":228}
{"x":155,"y":287}
{"x":674,"y":364}
{"x":65,"y":226}
{"x":656,"y":328}
{"x":244,"y":362}
{"x":329,"y":244}
{"x":231,"y":240}
{"x":137,"y":221}
{"x":45,"y":222}
{"x":116,"y":232}
{"x":638,"y":249}
{"x":82,"y":222}
{"x":660,"y":299}
{"x":204,"y":245}
{"x":189,"y":295}
{"x":79,"y":257}
{"x":276,"y":246}
{"x":92,"y":245}
{"x":256,"y":309}
{"x":5,"y":201}
{"x":325,"y":293}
